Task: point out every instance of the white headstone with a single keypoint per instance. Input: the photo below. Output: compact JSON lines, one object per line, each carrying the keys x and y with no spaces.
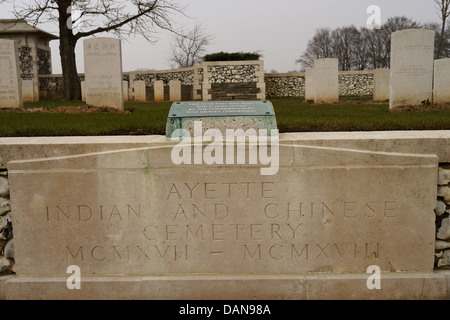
{"x":175,"y":90}
{"x":381,"y":84}
{"x":326,"y":85}
{"x":412,"y":54}
{"x":309,"y":84}
{"x":125,"y":90}
{"x":28,"y":90}
{"x":10,"y":90}
{"x":158,"y":86}
{"x":103,"y":71}
{"x":441,"y":81}
{"x":140,"y":93}
{"x":83,"y":90}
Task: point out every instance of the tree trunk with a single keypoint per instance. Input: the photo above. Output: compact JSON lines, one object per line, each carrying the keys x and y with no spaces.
{"x":67,"y":42}
{"x":441,"y":38}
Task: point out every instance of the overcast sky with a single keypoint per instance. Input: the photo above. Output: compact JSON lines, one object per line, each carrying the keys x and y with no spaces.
{"x":279,"y":30}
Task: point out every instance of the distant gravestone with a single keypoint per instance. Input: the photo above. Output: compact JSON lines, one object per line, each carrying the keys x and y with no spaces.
{"x":10,"y":90}
{"x":28,"y":90}
{"x":83,"y":90}
{"x":309,"y":84}
{"x":140,"y":93}
{"x":175,"y":90}
{"x":441,"y":81}
{"x":103,"y":72}
{"x":412,"y":54}
{"x":381,"y":84}
{"x":326,"y":85}
{"x":125,"y":90}
{"x":158,"y":87}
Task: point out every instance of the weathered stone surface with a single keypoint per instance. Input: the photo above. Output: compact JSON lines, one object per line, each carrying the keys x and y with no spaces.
{"x":5,"y":221}
{"x":441,"y":245}
{"x":396,"y":286}
{"x":6,"y":233}
{"x":440,"y":208}
{"x":9,"y":249}
{"x":11,"y":87}
{"x":444,"y":259}
{"x":4,"y":187}
{"x":443,"y":176}
{"x":412,"y":54}
{"x":327,"y":210}
{"x":356,"y":83}
{"x":393,"y":287}
{"x":5,"y":265}
{"x":103,"y":72}
{"x":4,"y":206}
{"x":444,"y":193}
{"x":444,"y":231}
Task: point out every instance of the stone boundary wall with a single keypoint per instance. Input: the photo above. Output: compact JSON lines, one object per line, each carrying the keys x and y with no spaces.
{"x":242,"y":80}
{"x":51,"y":86}
{"x":292,"y":85}
{"x":227,"y":80}
{"x":189,"y":78}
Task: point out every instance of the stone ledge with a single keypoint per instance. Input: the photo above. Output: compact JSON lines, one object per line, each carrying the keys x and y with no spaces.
{"x":395,"y":286}
{"x":418,"y":142}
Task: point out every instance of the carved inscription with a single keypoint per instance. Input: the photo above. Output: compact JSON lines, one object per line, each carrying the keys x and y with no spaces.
{"x":8,"y":72}
{"x":207,"y":221}
{"x":103,"y":72}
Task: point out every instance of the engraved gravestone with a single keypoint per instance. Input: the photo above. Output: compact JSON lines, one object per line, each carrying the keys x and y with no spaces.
{"x":220,"y":115}
{"x":326,"y":83}
{"x":441,"y":81}
{"x":412,"y":54}
{"x":103,"y":72}
{"x":10,"y":81}
{"x":134,"y":212}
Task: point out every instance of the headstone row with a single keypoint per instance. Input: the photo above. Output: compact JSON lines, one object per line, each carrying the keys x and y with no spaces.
{"x":140,"y":90}
{"x":409,"y":81}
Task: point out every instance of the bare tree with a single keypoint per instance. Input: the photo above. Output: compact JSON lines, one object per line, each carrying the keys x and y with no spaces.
{"x":123,"y":18}
{"x":348,"y":48}
{"x":443,"y":8}
{"x":377,"y":55}
{"x":187,"y":50}
{"x":445,"y":46}
{"x":320,"y":46}
{"x":356,"y":49}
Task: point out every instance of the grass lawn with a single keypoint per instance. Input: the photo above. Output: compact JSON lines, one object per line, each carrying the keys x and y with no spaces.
{"x":293,"y":115}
